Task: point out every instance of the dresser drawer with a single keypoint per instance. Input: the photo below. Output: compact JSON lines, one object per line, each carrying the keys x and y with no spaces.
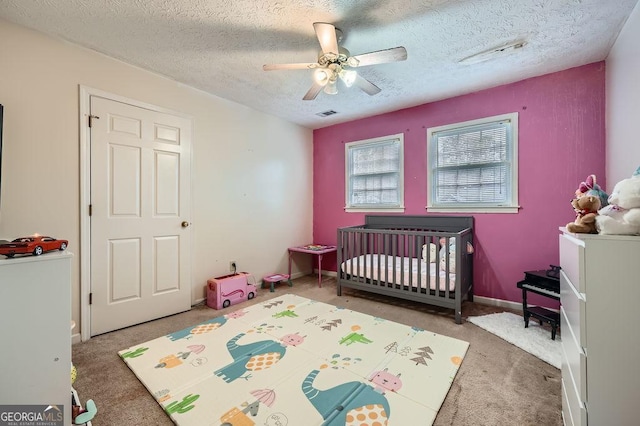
{"x":572,"y":261}
{"x":573,"y":356}
{"x":572,"y":404}
{"x":574,"y":306}
{"x":573,"y":412}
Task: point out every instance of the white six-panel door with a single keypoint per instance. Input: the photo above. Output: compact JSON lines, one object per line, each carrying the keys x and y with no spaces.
{"x":140,"y":198}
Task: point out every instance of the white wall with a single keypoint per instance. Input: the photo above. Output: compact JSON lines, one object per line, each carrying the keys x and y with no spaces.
{"x":623,"y":102}
{"x":252,"y":190}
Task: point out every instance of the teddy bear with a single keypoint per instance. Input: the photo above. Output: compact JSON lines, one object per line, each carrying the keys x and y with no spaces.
{"x":586,"y":208}
{"x":622,"y":215}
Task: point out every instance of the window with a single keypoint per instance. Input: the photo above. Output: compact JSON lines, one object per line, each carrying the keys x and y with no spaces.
{"x":472,"y":166}
{"x":375,"y":174}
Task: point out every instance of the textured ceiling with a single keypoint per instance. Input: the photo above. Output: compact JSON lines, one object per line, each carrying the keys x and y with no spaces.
{"x":219,"y":46}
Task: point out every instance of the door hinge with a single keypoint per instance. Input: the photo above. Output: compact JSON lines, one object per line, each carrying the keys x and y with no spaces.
{"x":90,"y":209}
{"x":91,"y":117}
{"x":90,"y":298}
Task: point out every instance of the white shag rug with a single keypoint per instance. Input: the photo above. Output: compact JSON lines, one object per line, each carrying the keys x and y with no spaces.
{"x":536,"y":340}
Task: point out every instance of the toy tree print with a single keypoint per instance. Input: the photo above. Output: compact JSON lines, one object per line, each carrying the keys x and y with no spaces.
{"x":423,"y":355}
{"x":330,"y":324}
{"x":134,"y":354}
{"x":272,"y":304}
{"x":182,"y":406}
{"x":392,"y":347}
{"x":312,"y":319}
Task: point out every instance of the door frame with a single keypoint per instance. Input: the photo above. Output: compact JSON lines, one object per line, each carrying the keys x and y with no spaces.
{"x":85,"y":195}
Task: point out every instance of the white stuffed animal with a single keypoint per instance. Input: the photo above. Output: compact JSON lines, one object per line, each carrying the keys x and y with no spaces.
{"x":622,"y":215}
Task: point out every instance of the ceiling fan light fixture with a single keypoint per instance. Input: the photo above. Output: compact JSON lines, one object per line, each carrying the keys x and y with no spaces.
{"x":335,"y":60}
{"x":321,"y":76}
{"x":331,"y":88}
{"x":348,"y":77}
{"x":352,"y":62}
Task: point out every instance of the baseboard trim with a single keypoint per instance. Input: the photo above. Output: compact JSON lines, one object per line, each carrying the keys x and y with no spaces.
{"x":516,"y":306}
{"x":327,"y":273}
{"x":75,"y":338}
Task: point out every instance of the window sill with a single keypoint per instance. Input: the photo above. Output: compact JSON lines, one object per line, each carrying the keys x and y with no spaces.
{"x":473,"y":209}
{"x":373,"y":210}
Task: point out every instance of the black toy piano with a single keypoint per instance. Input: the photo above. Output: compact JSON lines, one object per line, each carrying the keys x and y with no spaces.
{"x":545,"y":283}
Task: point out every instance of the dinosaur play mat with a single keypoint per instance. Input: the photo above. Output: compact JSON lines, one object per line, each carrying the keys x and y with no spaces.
{"x":292,"y":361}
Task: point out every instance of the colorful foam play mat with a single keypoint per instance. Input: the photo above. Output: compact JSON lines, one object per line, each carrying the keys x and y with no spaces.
{"x":292,"y":361}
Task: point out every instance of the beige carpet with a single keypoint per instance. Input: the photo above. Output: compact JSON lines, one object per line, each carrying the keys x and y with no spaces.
{"x":497,"y":383}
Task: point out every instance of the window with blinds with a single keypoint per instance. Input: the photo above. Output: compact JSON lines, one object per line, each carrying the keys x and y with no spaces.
{"x":472,"y":166}
{"x":374,"y":174}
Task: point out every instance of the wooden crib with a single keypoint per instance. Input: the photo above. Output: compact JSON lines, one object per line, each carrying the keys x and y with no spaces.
{"x":427,"y":259}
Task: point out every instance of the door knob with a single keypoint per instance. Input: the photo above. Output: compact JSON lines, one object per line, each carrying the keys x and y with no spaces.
{"x":185,"y":224}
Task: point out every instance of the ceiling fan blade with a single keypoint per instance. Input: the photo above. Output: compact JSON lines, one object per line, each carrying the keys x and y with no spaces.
{"x":300,"y":66}
{"x":368,"y":87}
{"x":313,"y":91}
{"x":326,"y":34}
{"x":394,"y":54}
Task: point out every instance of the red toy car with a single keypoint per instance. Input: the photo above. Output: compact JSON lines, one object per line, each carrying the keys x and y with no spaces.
{"x":35,"y":245}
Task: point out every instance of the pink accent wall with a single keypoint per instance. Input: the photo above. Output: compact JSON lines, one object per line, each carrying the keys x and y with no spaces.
{"x":561,"y":142}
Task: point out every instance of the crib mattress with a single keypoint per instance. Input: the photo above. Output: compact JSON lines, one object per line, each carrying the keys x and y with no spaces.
{"x":367,"y":266}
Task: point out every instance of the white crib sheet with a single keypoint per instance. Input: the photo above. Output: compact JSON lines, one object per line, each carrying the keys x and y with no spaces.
{"x":367,"y":266}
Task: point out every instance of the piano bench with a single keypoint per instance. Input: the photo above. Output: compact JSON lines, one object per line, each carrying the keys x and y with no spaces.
{"x":544,"y":284}
{"x":543,"y":315}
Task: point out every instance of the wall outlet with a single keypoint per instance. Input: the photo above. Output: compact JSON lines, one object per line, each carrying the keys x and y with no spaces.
{"x":232,"y":266}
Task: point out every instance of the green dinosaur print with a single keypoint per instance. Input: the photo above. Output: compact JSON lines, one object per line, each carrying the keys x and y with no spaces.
{"x":354,"y":338}
{"x":288,"y":313}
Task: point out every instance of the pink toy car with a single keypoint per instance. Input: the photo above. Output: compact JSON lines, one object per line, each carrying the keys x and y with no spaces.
{"x":229,"y":290}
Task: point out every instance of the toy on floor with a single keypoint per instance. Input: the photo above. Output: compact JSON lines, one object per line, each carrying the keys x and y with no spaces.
{"x":81,"y":416}
{"x":228,"y":290}
{"x":273,"y":279}
{"x":622,"y":215}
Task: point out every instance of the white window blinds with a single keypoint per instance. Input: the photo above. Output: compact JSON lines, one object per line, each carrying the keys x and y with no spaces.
{"x":374,"y":173}
{"x":473,"y":164}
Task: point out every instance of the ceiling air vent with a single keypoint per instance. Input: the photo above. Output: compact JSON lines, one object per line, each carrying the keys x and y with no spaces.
{"x":326,"y":113}
{"x":492,"y":53}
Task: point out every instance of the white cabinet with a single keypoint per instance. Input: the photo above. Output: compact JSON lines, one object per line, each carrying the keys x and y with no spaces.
{"x":600,"y":296}
{"x":35,"y":313}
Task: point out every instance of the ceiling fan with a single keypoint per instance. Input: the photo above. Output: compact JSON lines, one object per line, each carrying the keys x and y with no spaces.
{"x":335,"y":62}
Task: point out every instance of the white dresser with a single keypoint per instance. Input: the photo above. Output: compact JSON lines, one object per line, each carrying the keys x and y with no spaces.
{"x":600,"y":326}
{"x":35,"y":317}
